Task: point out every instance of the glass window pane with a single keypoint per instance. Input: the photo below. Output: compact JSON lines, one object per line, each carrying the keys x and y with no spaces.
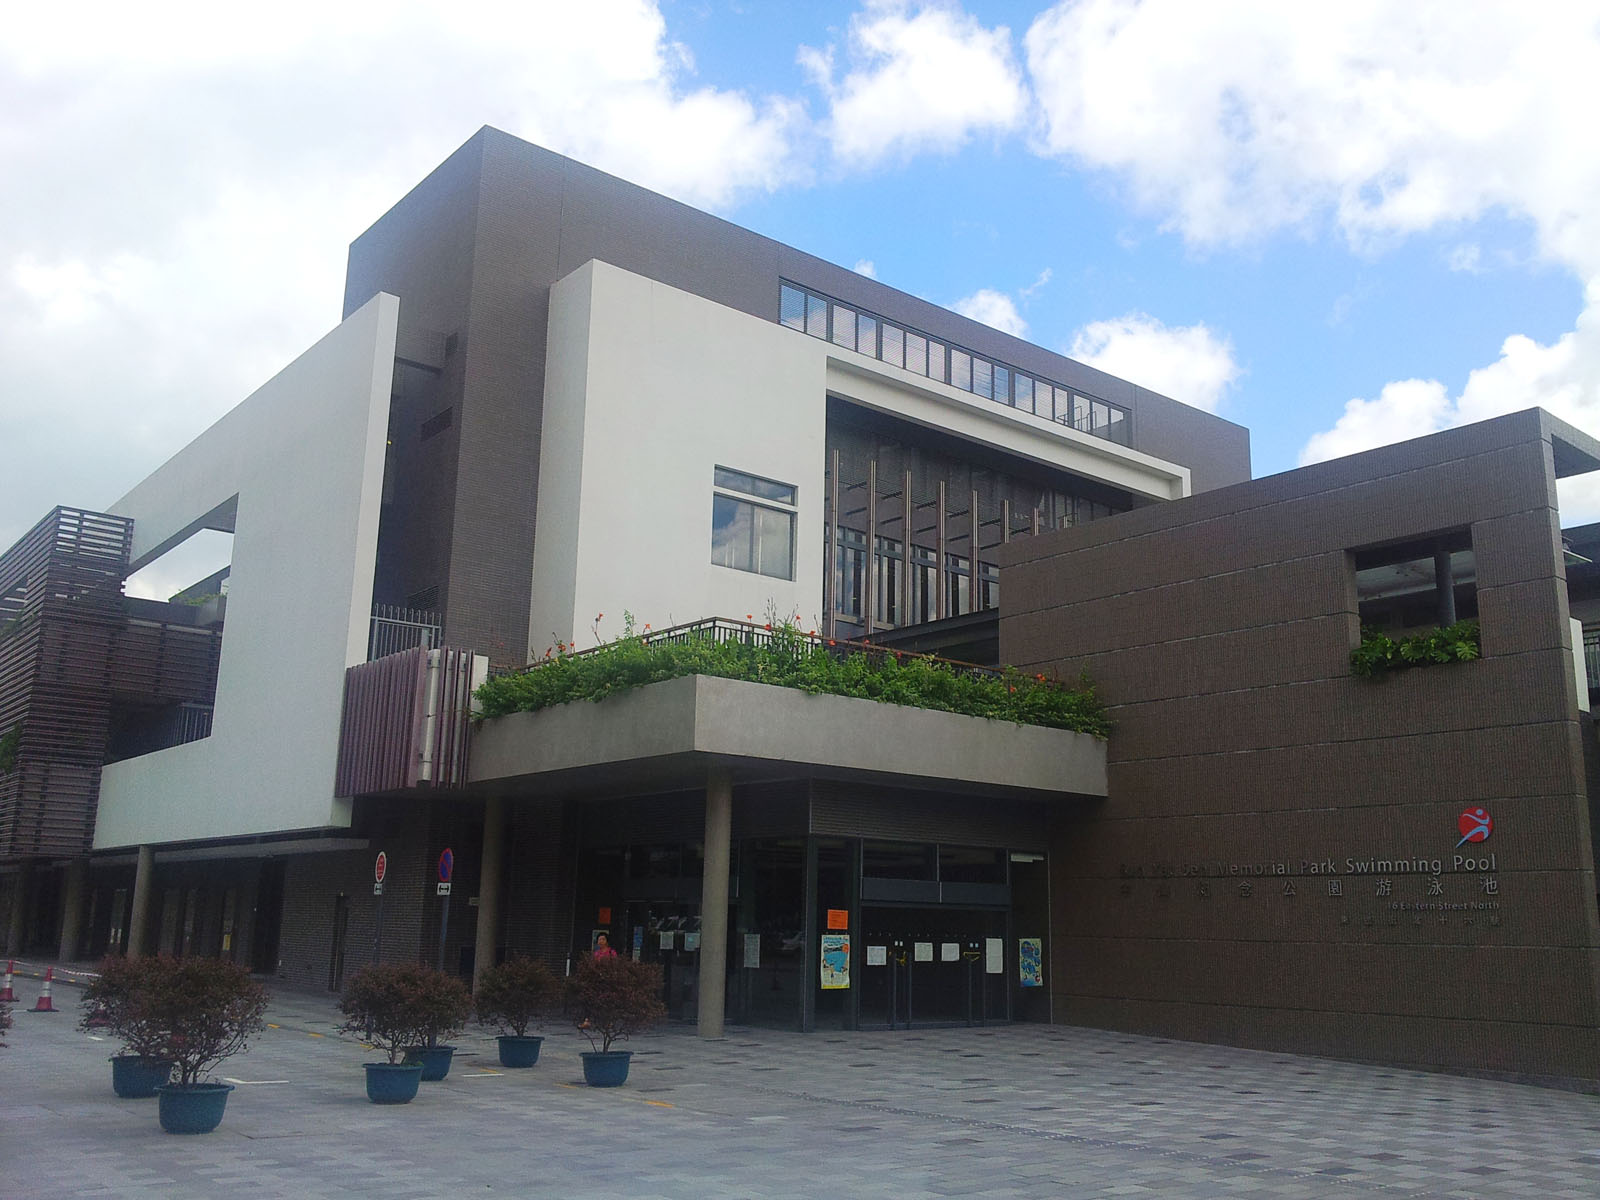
{"x":1102,"y":416}
{"x":1002,"y":384}
{"x":867,"y":336}
{"x":1080,"y":413}
{"x":916,"y":353}
{"x":816,"y":316}
{"x":961,"y":369}
{"x":774,"y":543}
{"x":982,"y":377}
{"x":967,"y":864}
{"x":844,"y":326}
{"x":1118,"y":432}
{"x":897,"y":860}
{"x":1022,"y":391}
{"x":753,"y":485}
{"x":936,"y":361}
{"x":792,"y":307}
{"x":731,"y":525}
{"x":894,"y":348}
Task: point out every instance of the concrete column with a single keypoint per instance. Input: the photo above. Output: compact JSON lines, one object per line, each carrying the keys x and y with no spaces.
{"x":144,"y":880}
{"x":21,"y":895}
{"x":714,"y":901}
{"x":1444,"y":584}
{"x":72,"y":898}
{"x":489,"y":879}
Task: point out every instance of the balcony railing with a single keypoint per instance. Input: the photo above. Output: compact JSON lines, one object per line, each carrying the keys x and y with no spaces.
{"x":395,"y":629}
{"x":724,"y":629}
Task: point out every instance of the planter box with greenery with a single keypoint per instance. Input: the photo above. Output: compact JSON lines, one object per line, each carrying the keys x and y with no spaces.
{"x":108,"y":1008}
{"x":610,"y":999}
{"x":402,"y":1008}
{"x":194,"y":1012}
{"x":1379,"y":654}
{"x":782,"y":654}
{"x":518,"y":993}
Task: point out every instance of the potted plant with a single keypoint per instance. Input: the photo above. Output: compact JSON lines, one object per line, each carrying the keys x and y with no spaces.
{"x":512,"y":996}
{"x":610,"y":999}
{"x":443,"y":1008}
{"x":108,"y":1007}
{"x":195,"y":1012}
{"x":396,"y":1006}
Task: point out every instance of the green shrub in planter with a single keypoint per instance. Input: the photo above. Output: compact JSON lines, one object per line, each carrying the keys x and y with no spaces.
{"x":518,"y":993}
{"x":400,"y":1008}
{"x":610,"y":999}
{"x":108,"y":1008}
{"x":194,"y":1013}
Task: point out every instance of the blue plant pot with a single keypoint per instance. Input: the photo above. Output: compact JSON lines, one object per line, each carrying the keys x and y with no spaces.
{"x":135,"y":1077}
{"x":393,"y":1083}
{"x":435,"y":1061}
{"x":605,"y":1068}
{"x":519,"y":1051}
{"x":192,"y":1107}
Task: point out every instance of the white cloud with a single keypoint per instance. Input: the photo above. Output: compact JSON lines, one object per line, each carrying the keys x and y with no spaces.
{"x":1466,"y":257}
{"x":1562,"y":377}
{"x":995,"y":309}
{"x":1186,"y":362}
{"x":921,"y":77}
{"x":865,"y":266}
{"x":182,"y":184}
{"x":1383,"y":119}
{"x":1391,"y":117}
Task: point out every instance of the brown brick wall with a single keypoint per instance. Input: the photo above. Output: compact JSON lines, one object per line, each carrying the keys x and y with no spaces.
{"x":1219,"y":630}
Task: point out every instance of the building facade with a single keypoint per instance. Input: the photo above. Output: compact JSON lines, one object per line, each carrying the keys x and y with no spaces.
{"x":560,"y":406}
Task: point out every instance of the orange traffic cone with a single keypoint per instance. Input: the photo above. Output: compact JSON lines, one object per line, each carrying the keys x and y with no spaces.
{"x":43,"y":1004}
{"x":6,"y":993}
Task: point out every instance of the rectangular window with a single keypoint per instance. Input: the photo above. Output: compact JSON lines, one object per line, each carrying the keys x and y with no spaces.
{"x":749,"y":529}
{"x":816,"y":316}
{"x":924,"y":584}
{"x":916,"y":353}
{"x":1002,"y":384}
{"x":792,"y":307}
{"x":894,"y":346}
{"x":886,"y":582}
{"x":850,"y":572}
{"x":982,"y":378}
{"x":936,"y":361}
{"x":867,"y":335}
{"x":961,"y":369}
{"x":844,"y":327}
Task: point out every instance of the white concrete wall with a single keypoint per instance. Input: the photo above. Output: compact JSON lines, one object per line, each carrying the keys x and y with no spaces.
{"x":649,"y":388}
{"x":304,"y":456}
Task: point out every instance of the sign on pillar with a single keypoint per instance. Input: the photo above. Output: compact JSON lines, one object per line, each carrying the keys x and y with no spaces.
{"x":447,"y":867}
{"x":380,"y":868}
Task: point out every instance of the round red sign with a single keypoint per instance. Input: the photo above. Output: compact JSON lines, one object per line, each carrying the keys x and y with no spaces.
{"x":447,"y":864}
{"x":381,"y":867}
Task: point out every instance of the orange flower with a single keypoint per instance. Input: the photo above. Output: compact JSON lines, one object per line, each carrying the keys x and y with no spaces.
{"x":1040,"y":678}
{"x":749,"y":616}
{"x":768,"y":628}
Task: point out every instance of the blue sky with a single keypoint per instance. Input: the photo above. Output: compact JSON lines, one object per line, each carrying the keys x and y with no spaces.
{"x":1337,"y":225}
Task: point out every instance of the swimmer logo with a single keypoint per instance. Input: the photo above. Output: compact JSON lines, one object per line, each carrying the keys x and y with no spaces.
{"x":1476,"y":825}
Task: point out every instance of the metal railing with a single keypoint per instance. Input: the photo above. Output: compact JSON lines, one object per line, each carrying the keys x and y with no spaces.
{"x":395,"y":629}
{"x":753,"y":633}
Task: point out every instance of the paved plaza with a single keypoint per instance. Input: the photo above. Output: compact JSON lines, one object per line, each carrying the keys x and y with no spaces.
{"x":1004,"y":1111}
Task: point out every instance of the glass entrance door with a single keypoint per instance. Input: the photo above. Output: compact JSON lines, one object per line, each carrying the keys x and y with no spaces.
{"x":930,"y":966}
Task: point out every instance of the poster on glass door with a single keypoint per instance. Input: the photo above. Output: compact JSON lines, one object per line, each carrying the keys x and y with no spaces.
{"x":1030,"y":961}
{"x":835,"y":961}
